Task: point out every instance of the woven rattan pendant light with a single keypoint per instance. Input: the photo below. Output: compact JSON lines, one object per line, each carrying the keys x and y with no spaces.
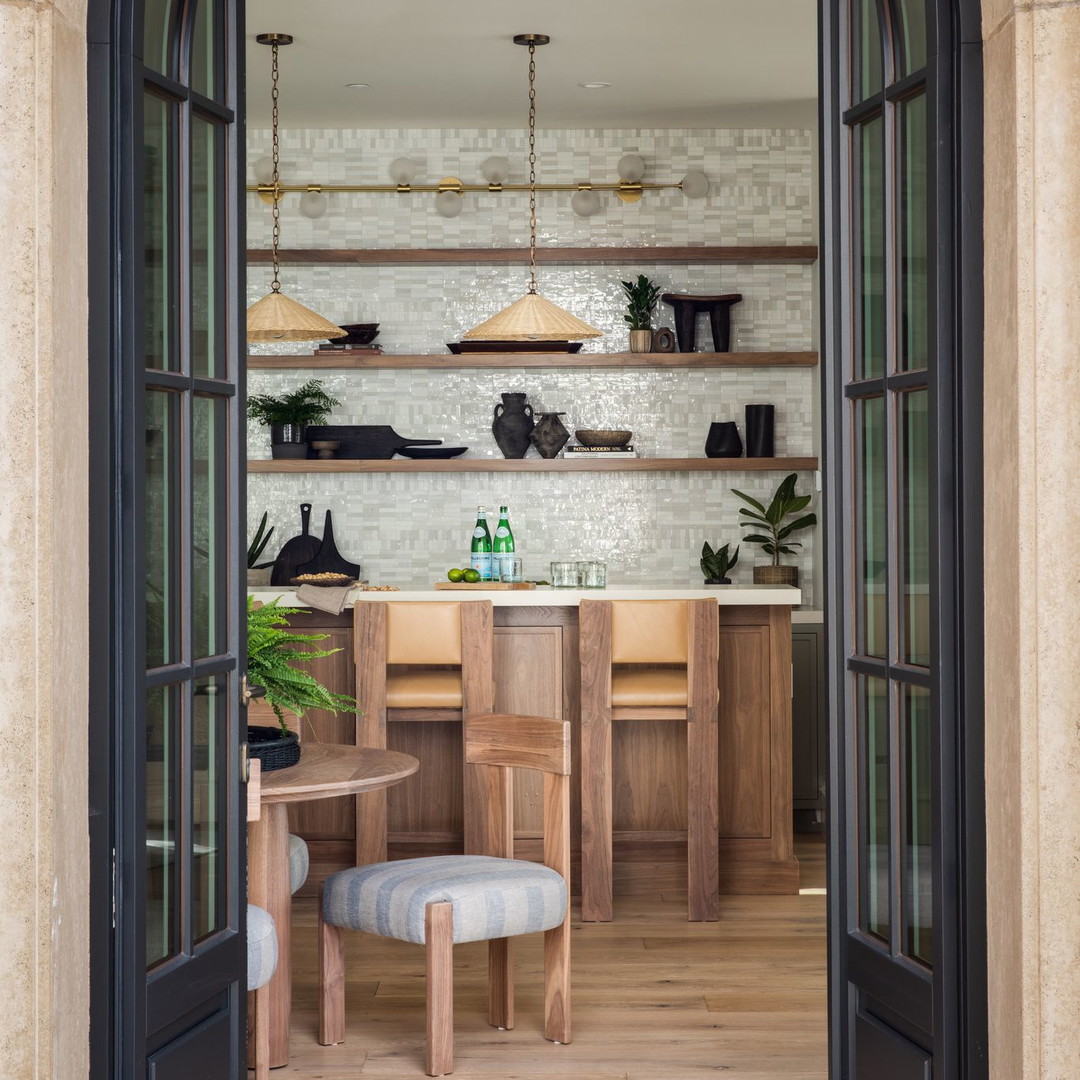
{"x":532,"y":318}
{"x":275,"y":317}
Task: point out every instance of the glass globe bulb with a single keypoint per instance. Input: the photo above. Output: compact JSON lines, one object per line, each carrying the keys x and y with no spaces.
{"x":695,"y":185}
{"x":495,"y":170}
{"x":585,"y":203}
{"x":402,"y":170}
{"x":264,"y":170}
{"x":313,"y":204}
{"x":631,"y":168}
{"x":449,"y":204}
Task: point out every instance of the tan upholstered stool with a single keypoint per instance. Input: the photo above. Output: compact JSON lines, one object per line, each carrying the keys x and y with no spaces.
{"x":624,"y":645}
{"x":419,"y":661}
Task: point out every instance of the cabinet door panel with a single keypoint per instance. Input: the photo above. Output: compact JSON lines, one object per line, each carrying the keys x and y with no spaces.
{"x":648,"y":764}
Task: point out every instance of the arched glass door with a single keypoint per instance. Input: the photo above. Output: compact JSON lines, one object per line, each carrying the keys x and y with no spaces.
{"x":904,"y":481}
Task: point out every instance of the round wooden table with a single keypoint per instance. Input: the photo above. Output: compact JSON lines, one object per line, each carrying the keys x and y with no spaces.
{"x":325,"y":771}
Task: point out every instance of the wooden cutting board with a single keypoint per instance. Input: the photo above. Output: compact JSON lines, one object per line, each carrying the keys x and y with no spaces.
{"x":487,"y":585}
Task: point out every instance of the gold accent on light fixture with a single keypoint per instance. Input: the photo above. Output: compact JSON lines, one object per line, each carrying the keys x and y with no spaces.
{"x":275,"y":317}
{"x":532,"y":318}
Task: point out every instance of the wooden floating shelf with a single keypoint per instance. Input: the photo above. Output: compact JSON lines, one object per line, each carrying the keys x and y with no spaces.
{"x":565,"y":256}
{"x":577,"y":463}
{"x":364,"y":361}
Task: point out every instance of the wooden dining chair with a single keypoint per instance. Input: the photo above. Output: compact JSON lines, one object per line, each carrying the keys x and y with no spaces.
{"x":649,"y":660}
{"x":484,"y":895}
{"x":419,"y":661}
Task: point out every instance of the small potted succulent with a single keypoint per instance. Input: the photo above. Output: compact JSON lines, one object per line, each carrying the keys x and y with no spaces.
{"x":716,"y":564}
{"x":641,"y":299}
{"x":257,"y":571}
{"x":772,"y":530}
{"x":272,"y":660}
{"x":288,"y":416}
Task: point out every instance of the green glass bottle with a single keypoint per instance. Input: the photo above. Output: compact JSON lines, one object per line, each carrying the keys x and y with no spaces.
{"x":502,"y":545}
{"x":480,"y":557}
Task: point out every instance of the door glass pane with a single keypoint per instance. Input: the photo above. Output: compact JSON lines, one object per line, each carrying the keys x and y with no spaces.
{"x":870,"y":540}
{"x":914,"y":282}
{"x":870,"y":243}
{"x":157,"y":25}
{"x":158,"y":284}
{"x":162,"y":524}
{"x":915,"y":527}
{"x":203,"y":74}
{"x":918,"y":871}
{"x":208,"y":805}
{"x":872,"y":704}
{"x":207,"y":316}
{"x":210,"y":527}
{"x":912,"y":35}
{"x":866,"y":51}
{"x":162,"y":729}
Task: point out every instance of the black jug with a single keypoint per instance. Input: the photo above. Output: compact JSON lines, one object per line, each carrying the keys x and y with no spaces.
{"x":723,"y":440}
{"x":513,"y":425}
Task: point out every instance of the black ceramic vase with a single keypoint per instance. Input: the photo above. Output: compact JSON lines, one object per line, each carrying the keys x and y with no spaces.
{"x":513,"y":425}
{"x":287,"y":441}
{"x":759,"y":431}
{"x":550,"y":435}
{"x":723,"y":440}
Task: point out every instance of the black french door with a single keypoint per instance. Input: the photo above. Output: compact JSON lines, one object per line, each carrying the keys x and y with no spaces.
{"x":902,"y":412}
{"x":169,"y":954}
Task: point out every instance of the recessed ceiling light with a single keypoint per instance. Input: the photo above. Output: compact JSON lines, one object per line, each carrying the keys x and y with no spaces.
{"x":594,"y":85}
{"x":358,"y":86}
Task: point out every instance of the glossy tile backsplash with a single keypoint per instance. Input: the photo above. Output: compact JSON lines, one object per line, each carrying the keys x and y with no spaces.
{"x":407,"y":529}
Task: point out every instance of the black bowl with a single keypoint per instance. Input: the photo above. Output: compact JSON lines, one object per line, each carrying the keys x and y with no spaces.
{"x":432,"y":451}
{"x":361,"y":333}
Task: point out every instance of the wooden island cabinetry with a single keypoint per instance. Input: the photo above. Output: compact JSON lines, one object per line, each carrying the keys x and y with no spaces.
{"x":536,"y":670}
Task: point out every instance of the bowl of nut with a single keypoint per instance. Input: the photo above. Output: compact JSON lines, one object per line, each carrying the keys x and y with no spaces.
{"x":325,"y":579}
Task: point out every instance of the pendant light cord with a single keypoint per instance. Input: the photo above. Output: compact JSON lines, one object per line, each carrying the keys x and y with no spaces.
{"x":532,"y":169}
{"x":275,"y":285}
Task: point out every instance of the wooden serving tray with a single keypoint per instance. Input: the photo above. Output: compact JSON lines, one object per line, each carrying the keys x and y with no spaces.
{"x":485,"y":585}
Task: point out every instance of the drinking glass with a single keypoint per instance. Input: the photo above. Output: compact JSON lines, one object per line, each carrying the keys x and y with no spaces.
{"x":510,"y":568}
{"x":592,"y":575}
{"x":564,"y":575}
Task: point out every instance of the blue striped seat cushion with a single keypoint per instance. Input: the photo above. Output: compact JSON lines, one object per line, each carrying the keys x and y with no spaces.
{"x":298,"y":862}
{"x":492,"y":898}
{"x":261,"y":947}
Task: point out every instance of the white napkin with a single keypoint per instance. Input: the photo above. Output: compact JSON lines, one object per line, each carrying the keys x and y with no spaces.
{"x":323,"y":598}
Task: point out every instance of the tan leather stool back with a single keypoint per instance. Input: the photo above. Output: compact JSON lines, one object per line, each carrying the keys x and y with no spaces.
{"x":649,"y":632}
{"x":423,"y":633}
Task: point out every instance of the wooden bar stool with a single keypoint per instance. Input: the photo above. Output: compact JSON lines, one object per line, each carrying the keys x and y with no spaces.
{"x":426,"y":662}
{"x":622,"y":645}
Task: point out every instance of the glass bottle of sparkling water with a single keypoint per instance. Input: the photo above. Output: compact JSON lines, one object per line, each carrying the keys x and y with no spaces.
{"x":503,"y":544}
{"x":480,"y":558}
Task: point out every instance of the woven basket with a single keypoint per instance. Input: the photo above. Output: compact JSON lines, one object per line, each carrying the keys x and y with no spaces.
{"x":532,"y":318}
{"x":776,"y":575}
{"x":277,"y":318}
{"x":274,"y":750}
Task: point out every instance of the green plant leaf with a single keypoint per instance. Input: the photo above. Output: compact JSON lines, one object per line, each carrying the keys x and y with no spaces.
{"x":746,"y":498}
{"x":801,"y":523}
{"x":757,"y":538}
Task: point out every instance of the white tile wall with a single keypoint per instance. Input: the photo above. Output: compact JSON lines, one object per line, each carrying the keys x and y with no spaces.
{"x":408,"y":529}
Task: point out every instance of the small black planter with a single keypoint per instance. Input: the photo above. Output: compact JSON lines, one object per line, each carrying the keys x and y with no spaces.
{"x":723,"y":440}
{"x":759,"y":431}
{"x":287,"y":441}
{"x":718,"y":581}
{"x":274,"y":750}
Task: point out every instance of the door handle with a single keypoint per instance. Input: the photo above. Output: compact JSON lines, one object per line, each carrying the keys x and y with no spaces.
{"x":245,"y":763}
{"x":248,"y":691}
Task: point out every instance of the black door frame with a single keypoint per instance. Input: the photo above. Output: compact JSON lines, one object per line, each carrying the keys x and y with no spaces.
{"x":960,"y":998}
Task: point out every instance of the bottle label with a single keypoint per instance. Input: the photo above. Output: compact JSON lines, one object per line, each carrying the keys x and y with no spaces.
{"x":479,"y":532}
{"x":502,"y":530}
{"x":481,"y":562}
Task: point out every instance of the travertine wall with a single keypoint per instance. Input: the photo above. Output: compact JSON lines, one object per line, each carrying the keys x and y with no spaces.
{"x":44,"y":880}
{"x":1032,"y":448}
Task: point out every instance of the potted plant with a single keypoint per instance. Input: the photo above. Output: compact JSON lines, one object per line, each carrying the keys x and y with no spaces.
{"x":256,"y":570}
{"x":272,"y":659}
{"x":289,"y":415}
{"x":716,"y":564}
{"x":772,"y":530}
{"x":641,"y":298}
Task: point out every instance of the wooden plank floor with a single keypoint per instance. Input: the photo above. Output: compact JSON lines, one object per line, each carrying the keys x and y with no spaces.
{"x":654,"y":997}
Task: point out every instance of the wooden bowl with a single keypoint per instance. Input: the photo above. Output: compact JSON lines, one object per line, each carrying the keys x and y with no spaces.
{"x":600,"y":437}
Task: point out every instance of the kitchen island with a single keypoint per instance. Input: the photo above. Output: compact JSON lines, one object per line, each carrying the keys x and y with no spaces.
{"x":536,"y":672}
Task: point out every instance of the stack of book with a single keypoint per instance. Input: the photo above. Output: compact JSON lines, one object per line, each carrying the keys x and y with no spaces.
{"x":601,"y":451}
{"x":334,"y":346}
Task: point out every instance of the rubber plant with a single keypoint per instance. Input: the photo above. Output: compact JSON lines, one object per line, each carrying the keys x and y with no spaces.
{"x":772,"y":530}
{"x":272,"y":659}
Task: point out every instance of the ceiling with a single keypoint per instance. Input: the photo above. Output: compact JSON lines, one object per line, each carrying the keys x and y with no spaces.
{"x":432,"y":63}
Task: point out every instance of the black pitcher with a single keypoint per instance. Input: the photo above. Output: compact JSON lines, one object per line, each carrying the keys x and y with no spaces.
{"x":723,"y":440}
{"x":513,"y":425}
{"x":759,"y":431}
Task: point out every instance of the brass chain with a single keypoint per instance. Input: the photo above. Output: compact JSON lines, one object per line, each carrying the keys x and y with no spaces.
{"x":275,"y":285}
{"x":532,"y":168}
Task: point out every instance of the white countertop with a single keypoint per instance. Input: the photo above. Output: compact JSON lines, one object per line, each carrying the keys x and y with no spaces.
{"x":545,"y":596}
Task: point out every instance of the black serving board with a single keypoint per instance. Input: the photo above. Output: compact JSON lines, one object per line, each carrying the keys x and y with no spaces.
{"x":300,"y":549}
{"x":378,"y":441}
{"x":433,"y":451}
{"x":328,"y":560}
{"x":458,"y":347}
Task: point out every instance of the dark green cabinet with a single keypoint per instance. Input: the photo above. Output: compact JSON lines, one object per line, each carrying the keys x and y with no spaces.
{"x":808,"y":725}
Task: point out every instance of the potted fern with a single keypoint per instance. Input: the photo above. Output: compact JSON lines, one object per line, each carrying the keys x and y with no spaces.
{"x":772,"y":530}
{"x":716,"y":564}
{"x":289,"y":415}
{"x":272,"y":659}
{"x":641,"y":299}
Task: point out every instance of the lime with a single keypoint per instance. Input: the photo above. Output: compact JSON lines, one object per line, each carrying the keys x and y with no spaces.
{"x":471,"y":576}
{"x":455,"y":574}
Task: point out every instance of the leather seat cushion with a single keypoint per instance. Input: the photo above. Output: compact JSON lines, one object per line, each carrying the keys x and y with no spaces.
{"x":647,"y":686}
{"x":492,"y":898}
{"x":424,"y":690}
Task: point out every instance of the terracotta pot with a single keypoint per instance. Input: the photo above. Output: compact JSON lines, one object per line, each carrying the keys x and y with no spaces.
{"x":641,"y":341}
{"x":776,"y":575}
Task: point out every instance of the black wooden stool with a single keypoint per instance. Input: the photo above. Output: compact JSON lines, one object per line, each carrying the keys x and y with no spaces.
{"x":686,"y":312}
